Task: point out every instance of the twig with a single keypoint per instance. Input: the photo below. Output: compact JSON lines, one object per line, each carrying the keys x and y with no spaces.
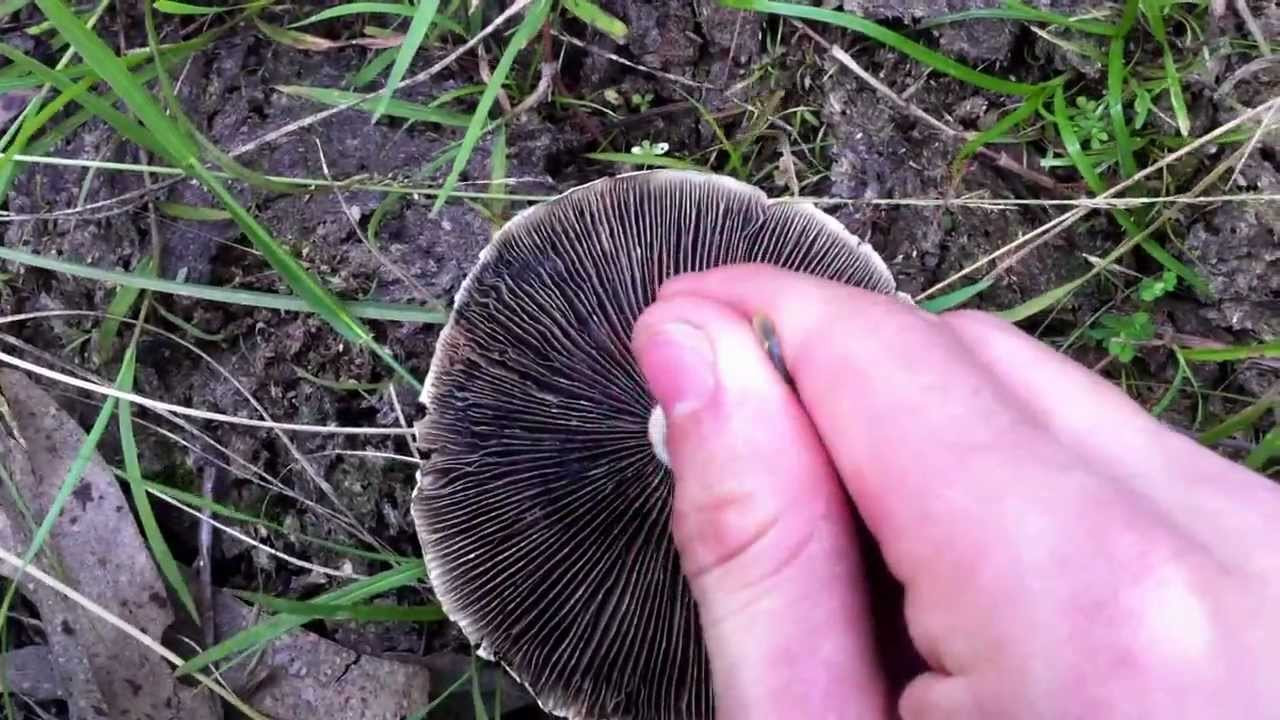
{"x":204,"y":559}
{"x":412,"y":440}
{"x":1253,"y":142}
{"x":845,"y":59}
{"x":547,"y":74}
{"x":1260,"y":37}
{"x":486,"y":76}
{"x":1243,"y":72}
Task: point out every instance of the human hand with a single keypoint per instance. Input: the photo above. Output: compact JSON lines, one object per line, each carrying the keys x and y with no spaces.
{"x":1063,"y":554}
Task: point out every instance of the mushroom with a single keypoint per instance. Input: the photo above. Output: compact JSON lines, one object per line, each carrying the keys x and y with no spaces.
{"x":543,"y":507}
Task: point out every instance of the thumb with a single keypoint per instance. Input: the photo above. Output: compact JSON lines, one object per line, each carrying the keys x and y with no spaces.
{"x":765,"y":534}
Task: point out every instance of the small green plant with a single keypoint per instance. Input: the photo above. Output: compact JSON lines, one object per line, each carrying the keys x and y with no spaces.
{"x":1091,"y":120}
{"x":650,"y":148}
{"x":1122,"y":335}
{"x":640,"y":101}
{"x":1154,"y":288}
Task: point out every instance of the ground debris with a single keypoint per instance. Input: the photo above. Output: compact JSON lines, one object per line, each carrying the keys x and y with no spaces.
{"x":95,"y":547}
{"x":976,"y":41}
{"x":302,"y":675}
{"x":29,"y":671}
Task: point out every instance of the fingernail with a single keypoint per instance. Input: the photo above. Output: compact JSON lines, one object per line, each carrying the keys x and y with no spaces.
{"x":679,"y":364}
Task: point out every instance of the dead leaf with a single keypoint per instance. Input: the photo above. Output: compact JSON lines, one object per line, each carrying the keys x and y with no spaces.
{"x":29,"y":671}
{"x":12,"y":104}
{"x":302,"y":675}
{"x":96,"y":549}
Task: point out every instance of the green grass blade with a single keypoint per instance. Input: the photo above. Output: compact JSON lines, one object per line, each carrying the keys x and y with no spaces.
{"x":341,"y":611}
{"x":1239,"y":421}
{"x":529,"y":25}
{"x":342,"y":385}
{"x":274,"y":627}
{"x":1071,"y":141}
{"x":121,"y":303}
{"x":498,"y":172}
{"x":1001,"y":128}
{"x":1087,"y":170}
{"x":394,"y":107}
{"x":1153,"y":11}
{"x":645,"y":160}
{"x":1267,"y":449}
{"x":448,"y":692}
{"x":390,"y":203}
{"x":191,"y":331}
{"x":10,"y":7}
{"x":114,"y":71}
{"x":184,"y":153}
{"x":251,"y":298}
{"x":356,"y":8}
{"x":1175,"y":386}
{"x":1023,"y":13}
{"x":1044,"y":300}
{"x":133,"y":472}
{"x":916,"y":51}
{"x":1237,"y":352}
{"x":74,"y":474}
{"x":955,"y":298}
{"x":418,"y":27}
{"x":1162,"y":256}
{"x":31,"y":124}
{"x":372,"y":69}
{"x":117,"y":120}
{"x":736,"y":166}
{"x":188,"y":131}
{"x":182,"y":211}
{"x":477,"y":700}
{"x":1117,"y":72}
{"x":172,"y":52}
{"x":169,"y":7}
{"x":202,"y":503}
{"x":598,"y":18}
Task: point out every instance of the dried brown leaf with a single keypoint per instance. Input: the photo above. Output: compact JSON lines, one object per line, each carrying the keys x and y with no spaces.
{"x":96,"y":549}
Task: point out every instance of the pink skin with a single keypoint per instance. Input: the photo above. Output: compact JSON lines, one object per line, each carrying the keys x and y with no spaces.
{"x":1064,"y":555}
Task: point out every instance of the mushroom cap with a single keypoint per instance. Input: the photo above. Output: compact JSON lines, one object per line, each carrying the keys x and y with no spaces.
{"x":542,"y":508}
